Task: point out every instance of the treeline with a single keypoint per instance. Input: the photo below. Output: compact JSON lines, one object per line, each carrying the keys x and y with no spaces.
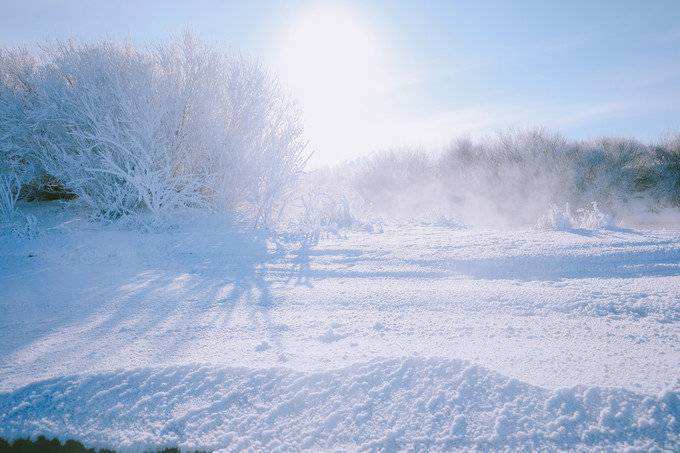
{"x":514,"y":177}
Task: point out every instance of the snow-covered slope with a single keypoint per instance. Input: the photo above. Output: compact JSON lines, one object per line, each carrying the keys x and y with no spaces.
{"x":413,"y":337}
{"x":381,"y":405}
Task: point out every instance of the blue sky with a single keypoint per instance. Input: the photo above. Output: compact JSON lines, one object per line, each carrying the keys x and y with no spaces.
{"x":420,"y":72}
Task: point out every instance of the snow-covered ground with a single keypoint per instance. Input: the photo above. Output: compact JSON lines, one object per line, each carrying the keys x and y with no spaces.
{"x":414,"y":337}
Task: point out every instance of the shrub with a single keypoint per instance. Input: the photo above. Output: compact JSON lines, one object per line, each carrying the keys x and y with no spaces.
{"x":517,"y":177}
{"x":129,"y":130}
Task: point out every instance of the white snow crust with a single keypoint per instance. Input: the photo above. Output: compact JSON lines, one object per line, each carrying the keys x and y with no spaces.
{"x":413,"y":338}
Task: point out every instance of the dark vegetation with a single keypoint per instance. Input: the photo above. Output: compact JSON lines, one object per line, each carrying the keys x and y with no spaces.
{"x":42,"y":444}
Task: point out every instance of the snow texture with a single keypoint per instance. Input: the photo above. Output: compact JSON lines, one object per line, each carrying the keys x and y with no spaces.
{"x":389,"y":404}
{"x":415,"y":338}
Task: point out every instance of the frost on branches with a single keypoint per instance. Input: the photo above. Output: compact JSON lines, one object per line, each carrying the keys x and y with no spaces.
{"x":129,"y":130}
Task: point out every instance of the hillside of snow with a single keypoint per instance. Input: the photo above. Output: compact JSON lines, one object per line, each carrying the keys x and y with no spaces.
{"x":404,"y":337}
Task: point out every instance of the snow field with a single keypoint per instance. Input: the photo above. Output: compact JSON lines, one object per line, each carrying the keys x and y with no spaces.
{"x":414,"y":338}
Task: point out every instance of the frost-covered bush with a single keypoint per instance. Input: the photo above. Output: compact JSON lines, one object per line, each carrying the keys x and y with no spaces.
{"x":663,"y":178}
{"x":383,"y":174}
{"x":9,"y":194}
{"x":516,"y":177}
{"x":386,"y":185}
{"x":11,"y":219}
{"x":17,"y":167}
{"x":130,"y":130}
{"x":563,"y":218}
{"x":516,"y":174}
{"x":311,"y":212}
{"x":521,"y":173}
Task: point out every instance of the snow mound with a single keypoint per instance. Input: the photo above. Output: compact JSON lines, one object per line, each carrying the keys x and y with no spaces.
{"x":394,"y":404}
{"x":589,"y":218}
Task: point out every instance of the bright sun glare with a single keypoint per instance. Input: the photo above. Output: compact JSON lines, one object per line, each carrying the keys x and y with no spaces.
{"x":333,"y":65}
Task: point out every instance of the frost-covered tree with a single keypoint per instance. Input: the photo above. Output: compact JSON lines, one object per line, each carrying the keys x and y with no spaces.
{"x":17,"y":72}
{"x":128,"y":129}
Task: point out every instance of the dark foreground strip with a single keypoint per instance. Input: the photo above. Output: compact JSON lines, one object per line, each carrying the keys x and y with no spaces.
{"x":42,"y":444}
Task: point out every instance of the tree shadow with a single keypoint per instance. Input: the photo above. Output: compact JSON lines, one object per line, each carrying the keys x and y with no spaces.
{"x":167,"y":300}
{"x":544,"y":267}
{"x":178,"y":297}
{"x":625,"y":259}
{"x":301,"y":267}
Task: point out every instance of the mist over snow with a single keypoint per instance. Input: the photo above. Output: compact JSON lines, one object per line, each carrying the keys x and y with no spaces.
{"x":514,"y":178}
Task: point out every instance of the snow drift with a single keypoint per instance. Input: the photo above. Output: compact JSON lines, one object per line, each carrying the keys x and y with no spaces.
{"x":395,"y":404}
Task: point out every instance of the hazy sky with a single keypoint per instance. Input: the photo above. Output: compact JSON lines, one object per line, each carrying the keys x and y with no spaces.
{"x":373,"y":74}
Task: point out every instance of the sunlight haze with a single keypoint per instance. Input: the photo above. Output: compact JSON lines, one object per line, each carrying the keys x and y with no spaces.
{"x":348,"y":225}
{"x":336,"y":69}
{"x":372,"y":75}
